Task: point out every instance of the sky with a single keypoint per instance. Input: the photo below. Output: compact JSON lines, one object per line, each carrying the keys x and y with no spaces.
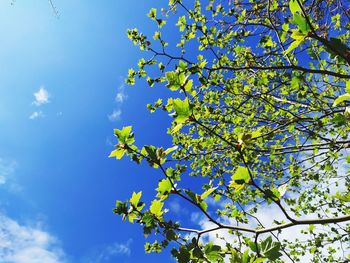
{"x":62,"y":93}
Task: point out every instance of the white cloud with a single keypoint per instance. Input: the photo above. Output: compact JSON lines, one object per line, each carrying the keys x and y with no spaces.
{"x":26,"y":244}
{"x":7,"y":168}
{"x":36,"y":114}
{"x":120,"y":97}
{"x":266,"y":214}
{"x":115,"y":115}
{"x":114,"y":250}
{"x":41,"y":97}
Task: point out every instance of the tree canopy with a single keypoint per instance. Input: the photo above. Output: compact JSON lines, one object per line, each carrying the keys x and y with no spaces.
{"x":259,"y":118}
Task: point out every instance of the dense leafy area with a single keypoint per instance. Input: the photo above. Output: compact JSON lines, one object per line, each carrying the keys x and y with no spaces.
{"x":260,"y":112}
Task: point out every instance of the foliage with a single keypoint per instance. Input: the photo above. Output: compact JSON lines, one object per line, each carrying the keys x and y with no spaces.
{"x":260,"y":117}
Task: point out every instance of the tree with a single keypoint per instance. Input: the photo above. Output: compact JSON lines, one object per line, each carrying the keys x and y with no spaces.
{"x":260,"y":119}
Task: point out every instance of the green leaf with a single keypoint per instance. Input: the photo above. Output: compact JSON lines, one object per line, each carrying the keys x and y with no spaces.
{"x":212,"y":252}
{"x":152,"y":13}
{"x":302,"y":23}
{"x":117,"y":153}
{"x":294,"y":7}
{"x":259,"y":260}
{"x":347,"y":159}
{"x":339,"y":120}
{"x":188,"y":85}
{"x":270,"y":249}
{"x":182,"y":109}
{"x":256,"y":134}
{"x":299,"y":38}
{"x":251,"y":244}
{"x":183,"y":256}
{"x":125,"y":136}
{"x":172,"y":81}
{"x":156,"y":208}
{"x":207,"y":193}
{"x":182,"y":65}
{"x":347,"y":86}
{"x":169,"y":150}
{"x":175,"y":80}
{"x":132,"y":217}
{"x":341,"y":98}
{"x":135,"y":198}
{"x":241,"y":175}
{"x":151,"y":152}
{"x":181,"y":23}
{"x":164,"y":188}
{"x":240,"y":178}
{"x":245,"y":256}
{"x":176,"y":128}
{"x":203,"y":205}
{"x":293,"y":46}
{"x":341,"y":197}
{"x":120,"y":208}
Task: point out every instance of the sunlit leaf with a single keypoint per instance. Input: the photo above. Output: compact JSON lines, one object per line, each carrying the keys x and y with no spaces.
{"x":156,"y":208}
{"x":117,"y":153}
{"x":341,"y":98}
{"x":294,"y":6}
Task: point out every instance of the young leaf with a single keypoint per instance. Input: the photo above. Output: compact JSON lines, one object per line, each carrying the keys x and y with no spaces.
{"x":294,"y":7}
{"x":301,"y":22}
{"x":207,"y":193}
{"x":169,"y":150}
{"x":117,"y":153}
{"x":125,"y":136}
{"x":173,"y":80}
{"x":135,"y":198}
{"x":241,"y":175}
{"x":341,"y":98}
{"x":182,"y":109}
{"x":347,"y":86}
{"x":164,"y":188}
{"x":176,"y":128}
{"x":152,"y":13}
{"x":344,"y":198}
{"x":299,"y":38}
{"x":156,"y":208}
{"x":292,"y":46}
{"x":240,"y":178}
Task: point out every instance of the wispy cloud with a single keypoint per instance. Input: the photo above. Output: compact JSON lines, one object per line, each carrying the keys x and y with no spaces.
{"x":120,"y":97}
{"x":119,"y":100}
{"x":115,"y":115}
{"x":26,"y":244}
{"x":7,"y":168}
{"x":41,"y":97}
{"x":266,"y":214}
{"x":36,"y":114}
{"x":114,"y":250}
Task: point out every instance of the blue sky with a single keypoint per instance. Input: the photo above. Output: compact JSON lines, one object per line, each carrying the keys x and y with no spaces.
{"x":61,"y":80}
